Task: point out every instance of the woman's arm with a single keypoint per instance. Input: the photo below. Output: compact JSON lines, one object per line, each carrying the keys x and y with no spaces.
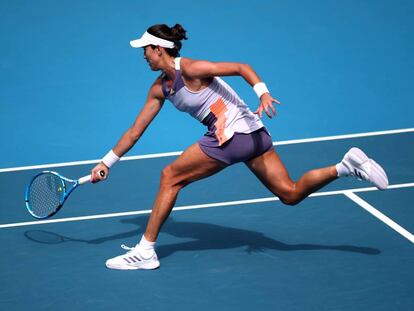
{"x":150,"y":109}
{"x":201,"y":69}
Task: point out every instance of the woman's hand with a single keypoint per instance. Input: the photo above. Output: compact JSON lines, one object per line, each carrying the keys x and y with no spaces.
{"x":97,"y":176}
{"x":266,"y":104}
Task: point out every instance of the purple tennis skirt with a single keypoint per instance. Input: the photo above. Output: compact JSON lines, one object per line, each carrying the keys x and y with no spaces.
{"x":240,"y":148}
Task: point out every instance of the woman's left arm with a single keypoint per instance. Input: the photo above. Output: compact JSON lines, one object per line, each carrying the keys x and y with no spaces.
{"x":201,"y":69}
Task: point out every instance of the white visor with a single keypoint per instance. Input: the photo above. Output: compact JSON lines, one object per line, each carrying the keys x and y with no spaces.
{"x":149,"y":39}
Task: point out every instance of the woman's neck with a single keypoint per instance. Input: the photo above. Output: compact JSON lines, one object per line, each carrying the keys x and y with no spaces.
{"x":169,"y":67}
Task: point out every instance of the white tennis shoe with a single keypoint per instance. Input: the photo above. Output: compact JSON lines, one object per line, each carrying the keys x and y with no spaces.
{"x":133,"y":260}
{"x":364,"y":168}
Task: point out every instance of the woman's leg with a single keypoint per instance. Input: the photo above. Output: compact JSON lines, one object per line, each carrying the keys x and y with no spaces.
{"x":192,"y":165}
{"x":272,"y":173}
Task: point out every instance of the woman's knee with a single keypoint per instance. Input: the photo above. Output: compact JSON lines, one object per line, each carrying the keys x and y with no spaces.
{"x":289,"y":195}
{"x":292,"y":201}
{"x":169,"y":178}
{"x":166,"y":175}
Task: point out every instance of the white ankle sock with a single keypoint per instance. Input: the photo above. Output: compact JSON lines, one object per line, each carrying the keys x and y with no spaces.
{"x":146,"y":248}
{"x":342,"y":170}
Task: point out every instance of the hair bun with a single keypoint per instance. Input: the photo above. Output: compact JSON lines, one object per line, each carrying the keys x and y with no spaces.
{"x":179,"y":32}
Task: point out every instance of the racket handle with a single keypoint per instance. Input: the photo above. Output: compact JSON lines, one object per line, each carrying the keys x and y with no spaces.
{"x":86,"y":179}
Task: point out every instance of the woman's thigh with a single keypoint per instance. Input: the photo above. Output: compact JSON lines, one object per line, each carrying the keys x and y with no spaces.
{"x":271,"y":171}
{"x":193,"y":164}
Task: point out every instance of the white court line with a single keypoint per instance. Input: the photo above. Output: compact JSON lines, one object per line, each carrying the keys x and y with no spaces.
{"x":388,"y":221}
{"x":177,"y":153}
{"x":346,"y":136}
{"x":191,"y":207}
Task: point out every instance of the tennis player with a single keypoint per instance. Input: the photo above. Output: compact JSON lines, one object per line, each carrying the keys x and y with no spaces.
{"x":234,"y":134}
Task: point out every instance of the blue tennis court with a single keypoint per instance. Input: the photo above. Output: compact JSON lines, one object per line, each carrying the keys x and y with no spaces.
{"x":70,"y":86}
{"x":326,"y":253}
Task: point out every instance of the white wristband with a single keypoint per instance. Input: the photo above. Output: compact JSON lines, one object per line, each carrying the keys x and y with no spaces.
{"x":110,"y":159}
{"x":260,"y":88}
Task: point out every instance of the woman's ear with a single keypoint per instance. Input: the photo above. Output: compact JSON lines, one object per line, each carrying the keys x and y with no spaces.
{"x":159,"y":51}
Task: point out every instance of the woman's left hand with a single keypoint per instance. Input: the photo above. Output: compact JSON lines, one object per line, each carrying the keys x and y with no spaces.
{"x":266,"y":104}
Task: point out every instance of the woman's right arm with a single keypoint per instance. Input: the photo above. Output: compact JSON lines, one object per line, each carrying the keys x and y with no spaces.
{"x":150,"y":109}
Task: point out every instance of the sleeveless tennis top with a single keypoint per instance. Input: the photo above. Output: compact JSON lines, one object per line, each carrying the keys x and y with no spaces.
{"x":217,"y":106}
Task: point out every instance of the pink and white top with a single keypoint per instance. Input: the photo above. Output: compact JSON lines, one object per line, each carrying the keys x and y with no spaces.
{"x":217,"y":106}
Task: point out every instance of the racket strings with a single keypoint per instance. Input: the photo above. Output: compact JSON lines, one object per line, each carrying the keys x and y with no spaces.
{"x":46,"y":194}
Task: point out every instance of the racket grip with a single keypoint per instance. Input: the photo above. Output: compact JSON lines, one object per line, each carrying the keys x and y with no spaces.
{"x":85,"y":179}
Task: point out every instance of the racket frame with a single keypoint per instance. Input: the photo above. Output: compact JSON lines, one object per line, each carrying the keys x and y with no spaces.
{"x":66,"y":191}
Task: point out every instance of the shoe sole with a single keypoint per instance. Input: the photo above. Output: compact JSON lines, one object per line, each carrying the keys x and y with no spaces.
{"x":377,"y":175}
{"x":147,"y":266}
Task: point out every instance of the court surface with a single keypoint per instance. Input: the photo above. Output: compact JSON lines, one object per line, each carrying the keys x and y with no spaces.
{"x":70,"y":85}
{"x":229,"y":245}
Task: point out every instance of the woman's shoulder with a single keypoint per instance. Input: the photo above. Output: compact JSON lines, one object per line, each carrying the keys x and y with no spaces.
{"x":159,"y":80}
{"x":185,"y":62}
{"x":189,"y":67}
{"x":156,"y":87}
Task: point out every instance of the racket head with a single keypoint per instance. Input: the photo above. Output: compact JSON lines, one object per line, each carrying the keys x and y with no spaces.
{"x":45,"y":194}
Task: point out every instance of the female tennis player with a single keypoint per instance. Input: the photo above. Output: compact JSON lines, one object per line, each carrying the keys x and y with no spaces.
{"x":235,"y":134}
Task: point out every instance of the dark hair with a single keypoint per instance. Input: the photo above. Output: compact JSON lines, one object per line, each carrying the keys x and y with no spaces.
{"x":174,"y":34}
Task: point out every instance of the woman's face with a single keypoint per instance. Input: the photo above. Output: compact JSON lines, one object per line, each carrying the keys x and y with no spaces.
{"x":152,"y":57}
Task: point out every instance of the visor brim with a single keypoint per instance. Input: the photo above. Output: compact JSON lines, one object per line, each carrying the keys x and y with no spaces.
{"x":139,"y":43}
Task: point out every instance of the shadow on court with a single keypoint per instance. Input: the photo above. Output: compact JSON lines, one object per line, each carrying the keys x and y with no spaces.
{"x":205,"y":237}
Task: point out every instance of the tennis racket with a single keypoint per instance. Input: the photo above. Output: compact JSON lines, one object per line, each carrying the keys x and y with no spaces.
{"x":47,"y":192}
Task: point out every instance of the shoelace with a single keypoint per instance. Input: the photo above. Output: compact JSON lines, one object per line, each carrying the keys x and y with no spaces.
{"x":127,"y":248}
{"x":130,"y":249}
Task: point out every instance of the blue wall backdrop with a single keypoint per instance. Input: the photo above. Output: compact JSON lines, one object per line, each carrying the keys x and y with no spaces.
{"x":70,"y":84}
